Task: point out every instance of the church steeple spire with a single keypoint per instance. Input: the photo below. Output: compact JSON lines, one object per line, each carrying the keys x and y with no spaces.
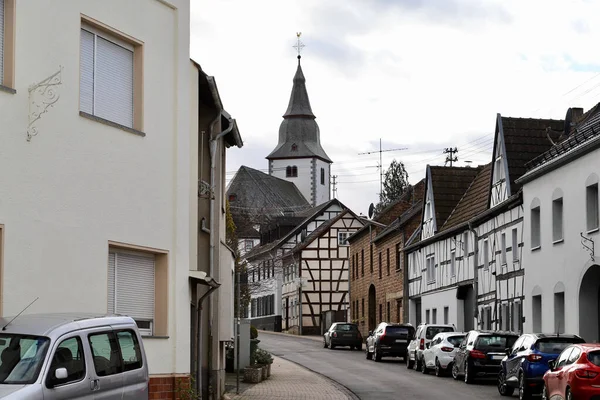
{"x":299,"y":105}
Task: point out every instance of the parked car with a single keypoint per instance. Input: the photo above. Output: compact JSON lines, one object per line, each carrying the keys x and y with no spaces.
{"x":67,"y":356}
{"x":575,"y":374}
{"x":423,"y":335}
{"x":439,"y":353}
{"x":481,"y":353}
{"x":527,"y":361}
{"x":343,"y":334}
{"x":388,"y":340}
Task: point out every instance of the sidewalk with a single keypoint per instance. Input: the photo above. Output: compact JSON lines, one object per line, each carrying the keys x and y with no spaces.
{"x":291,"y":381}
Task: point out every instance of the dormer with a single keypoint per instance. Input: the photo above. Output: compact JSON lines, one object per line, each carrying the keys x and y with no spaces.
{"x":500,"y":188}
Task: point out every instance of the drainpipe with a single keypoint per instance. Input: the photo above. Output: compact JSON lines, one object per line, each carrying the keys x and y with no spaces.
{"x":475,"y":271}
{"x":199,"y":328}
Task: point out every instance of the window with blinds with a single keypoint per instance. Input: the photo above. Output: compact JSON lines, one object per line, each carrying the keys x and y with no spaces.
{"x":106,"y":77}
{"x":1,"y":42}
{"x":131,"y":287}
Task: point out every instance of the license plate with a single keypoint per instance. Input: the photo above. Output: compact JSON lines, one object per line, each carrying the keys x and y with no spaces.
{"x":348,"y":335}
{"x":497,"y":357}
{"x":400,"y":341}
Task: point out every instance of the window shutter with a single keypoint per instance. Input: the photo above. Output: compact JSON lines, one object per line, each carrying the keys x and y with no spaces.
{"x":135,"y":285}
{"x":1,"y":41}
{"x":113,"y":82}
{"x":111,"y":282}
{"x":86,"y":71}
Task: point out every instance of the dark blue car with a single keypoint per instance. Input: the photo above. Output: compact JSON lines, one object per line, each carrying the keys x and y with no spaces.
{"x":527,"y":361}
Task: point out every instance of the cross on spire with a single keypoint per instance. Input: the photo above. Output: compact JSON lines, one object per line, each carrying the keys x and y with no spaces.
{"x":299,"y":45}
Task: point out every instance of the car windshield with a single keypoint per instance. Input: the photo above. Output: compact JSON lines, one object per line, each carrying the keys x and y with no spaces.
{"x":21,"y":358}
{"x":434,"y":330}
{"x":555,"y":345}
{"x":499,"y":342}
{"x":346,"y":328}
{"x":455,"y":340}
{"x":398,"y":330}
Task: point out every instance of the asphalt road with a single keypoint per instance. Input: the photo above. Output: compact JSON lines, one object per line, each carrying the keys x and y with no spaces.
{"x":388,"y":379}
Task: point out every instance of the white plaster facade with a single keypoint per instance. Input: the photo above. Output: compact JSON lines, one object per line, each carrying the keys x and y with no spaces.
{"x":80,"y":184}
{"x":309,"y":176}
{"x":561,"y":283}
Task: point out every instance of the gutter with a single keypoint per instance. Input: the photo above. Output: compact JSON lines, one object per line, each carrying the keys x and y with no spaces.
{"x":561,"y":160}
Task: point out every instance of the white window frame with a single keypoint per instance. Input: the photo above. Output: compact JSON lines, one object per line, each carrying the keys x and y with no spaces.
{"x":430,"y":269}
{"x":453,"y":263}
{"x":343,"y":238}
{"x":536,"y":234}
{"x":557,"y":220}
{"x":503,"y":248}
{"x":591,"y":209}
{"x":498,"y":171}
{"x":486,"y":254}
{"x":515,"y":245}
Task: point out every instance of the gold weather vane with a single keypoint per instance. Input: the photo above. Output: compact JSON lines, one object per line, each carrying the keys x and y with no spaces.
{"x":299,"y":45}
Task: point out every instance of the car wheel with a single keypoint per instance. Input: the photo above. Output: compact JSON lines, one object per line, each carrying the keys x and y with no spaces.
{"x":368,"y":353}
{"x":331,"y":346}
{"x":524,"y":392}
{"x":409,"y":362}
{"x":376,"y":355}
{"x":423,"y":367}
{"x":324,"y":344}
{"x":503,"y":388}
{"x":455,"y":375}
{"x":545,"y":395}
{"x":568,"y":394}
{"x":417,"y":363}
{"x":438,"y":369}
{"x":359,"y":347}
{"x":468,"y":374}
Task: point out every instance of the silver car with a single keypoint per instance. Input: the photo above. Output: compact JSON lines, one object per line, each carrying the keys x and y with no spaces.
{"x":66,"y":356}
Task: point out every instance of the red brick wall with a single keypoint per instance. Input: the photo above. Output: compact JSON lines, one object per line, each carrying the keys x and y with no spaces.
{"x":170,"y":387}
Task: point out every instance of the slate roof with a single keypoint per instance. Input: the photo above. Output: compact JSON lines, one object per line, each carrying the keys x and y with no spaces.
{"x":299,"y":135}
{"x":474,"y":201}
{"x":587,"y":129}
{"x":259,"y":193}
{"x":525,"y":139}
{"x":449,"y":185}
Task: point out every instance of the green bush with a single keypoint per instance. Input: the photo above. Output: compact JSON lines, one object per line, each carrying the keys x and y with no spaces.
{"x":263,"y":357}
{"x":253,"y":332}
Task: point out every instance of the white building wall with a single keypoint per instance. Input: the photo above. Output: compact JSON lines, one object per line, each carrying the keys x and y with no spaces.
{"x":322,"y":191}
{"x":565,"y":262}
{"x":79,"y":184}
{"x":304,"y":181}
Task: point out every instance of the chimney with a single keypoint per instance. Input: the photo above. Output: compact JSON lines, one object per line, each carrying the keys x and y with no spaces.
{"x":576,"y":114}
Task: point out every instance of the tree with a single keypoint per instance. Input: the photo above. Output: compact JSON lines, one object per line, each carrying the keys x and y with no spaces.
{"x":232,"y":241}
{"x":394,"y":184}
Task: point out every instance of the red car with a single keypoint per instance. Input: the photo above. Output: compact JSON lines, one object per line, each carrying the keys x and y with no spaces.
{"x":575,"y":374}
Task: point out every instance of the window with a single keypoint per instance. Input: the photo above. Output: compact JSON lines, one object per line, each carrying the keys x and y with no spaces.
{"x":291,"y":171}
{"x":110,"y":77}
{"x":381,"y":312}
{"x":426,"y":316}
{"x":389,"y":312}
{"x":430,"y":269}
{"x":453,"y":263}
{"x":503,"y":248}
{"x":380,"y":274}
{"x":294,"y":147}
{"x":131,"y":354}
{"x":388,"y":261}
{"x":249,"y":244}
{"x":446,"y":314}
{"x":498,"y":171}
{"x":536,"y":304}
{"x":515,"y":245}
{"x":131,"y":287}
{"x":398,"y":310}
{"x":343,"y":238}
{"x":535,"y":227}
{"x":105,"y":353}
{"x":371,"y":256}
{"x":362,"y":258}
{"x":559,"y":312}
{"x":466,"y":245}
{"x":7,"y":42}
{"x":68,"y":355}
{"x":434,"y":316}
{"x":486,"y":254}
{"x":557,"y":220}
{"x":399,"y":258}
{"x":363,"y":307}
{"x":322,"y":176}
{"x":564,"y":356}
{"x":591,"y":192}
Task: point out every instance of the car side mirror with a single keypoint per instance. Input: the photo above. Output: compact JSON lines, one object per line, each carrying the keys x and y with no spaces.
{"x":61,"y":373}
{"x":508,"y":350}
{"x":552,"y":364}
{"x":427,"y":345}
{"x":370,"y":333}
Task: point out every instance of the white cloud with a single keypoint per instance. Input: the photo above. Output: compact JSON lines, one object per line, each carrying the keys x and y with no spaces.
{"x":418,"y":74}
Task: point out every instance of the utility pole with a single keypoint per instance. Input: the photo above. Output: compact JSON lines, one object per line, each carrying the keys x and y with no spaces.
{"x":380,"y":166}
{"x":334,"y":177}
{"x":237,"y":334}
{"x":450,"y":158}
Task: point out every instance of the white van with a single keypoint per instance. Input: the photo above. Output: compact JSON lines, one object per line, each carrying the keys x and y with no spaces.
{"x":67,"y":356}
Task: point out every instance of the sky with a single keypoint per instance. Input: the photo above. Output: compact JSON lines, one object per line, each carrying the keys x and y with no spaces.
{"x":421,"y":75}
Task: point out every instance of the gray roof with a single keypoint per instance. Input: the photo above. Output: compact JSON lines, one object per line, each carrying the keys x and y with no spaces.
{"x":46,"y":324}
{"x":259,"y":193}
{"x":299,"y":135}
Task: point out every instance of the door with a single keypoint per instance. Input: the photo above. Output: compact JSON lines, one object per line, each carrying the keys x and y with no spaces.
{"x":107,"y":372}
{"x":135,"y":368}
{"x":461,"y":354}
{"x":513,"y":361}
{"x":556,"y":375}
{"x":428,"y":353}
{"x":70,"y":355}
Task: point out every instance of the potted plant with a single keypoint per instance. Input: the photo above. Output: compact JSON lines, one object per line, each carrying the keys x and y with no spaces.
{"x":264,"y":358}
{"x":253,"y":373}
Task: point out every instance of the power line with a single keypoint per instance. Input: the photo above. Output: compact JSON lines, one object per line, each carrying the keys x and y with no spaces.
{"x":381,"y":151}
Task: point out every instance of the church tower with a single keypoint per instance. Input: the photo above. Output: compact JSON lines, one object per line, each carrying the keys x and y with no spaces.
{"x":299,"y":157}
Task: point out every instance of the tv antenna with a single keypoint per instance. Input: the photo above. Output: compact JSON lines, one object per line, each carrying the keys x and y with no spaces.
{"x":380,"y":166}
{"x":15,"y":317}
{"x":450,"y":158}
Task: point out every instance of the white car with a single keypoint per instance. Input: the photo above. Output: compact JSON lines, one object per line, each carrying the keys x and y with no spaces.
{"x":424,"y":334}
{"x":439,"y":353}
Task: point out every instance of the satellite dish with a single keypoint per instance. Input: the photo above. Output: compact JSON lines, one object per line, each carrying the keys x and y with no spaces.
{"x":568,"y":120}
{"x":371,"y":211}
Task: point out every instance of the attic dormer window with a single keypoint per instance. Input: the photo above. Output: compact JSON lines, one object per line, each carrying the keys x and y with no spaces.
{"x":294,"y":147}
{"x":498,"y":170}
{"x":232,"y":197}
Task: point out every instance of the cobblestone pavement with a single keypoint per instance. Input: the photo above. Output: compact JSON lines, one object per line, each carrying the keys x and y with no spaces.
{"x":291,"y":381}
